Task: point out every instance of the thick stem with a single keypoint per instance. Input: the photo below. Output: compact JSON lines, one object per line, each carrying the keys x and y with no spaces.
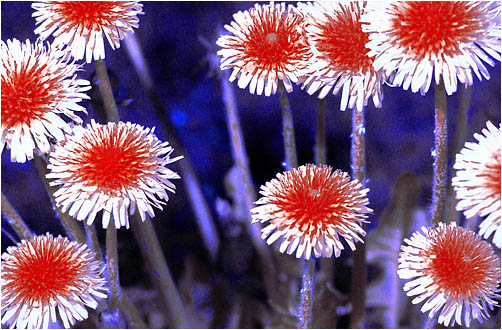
{"x":245,"y":184}
{"x":92,"y":240}
{"x":159,"y":271}
{"x":112,"y":265}
{"x":320,"y":152}
{"x":358,"y":285}
{"x":306,"y":295}
{"x":16,"y":222}
{"x":198,"y":202}
{"x":440,"y":175}
{"x":71,"y":225}
{"x":288,"y":130}
{"x":106,"y":91}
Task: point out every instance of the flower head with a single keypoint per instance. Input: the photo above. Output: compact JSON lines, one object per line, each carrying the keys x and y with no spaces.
{"x":454,"y":270}
{"x":37,"y":86}
{"x":477,"y":182}
{"x":415,"y":38}
{"x":45,"y":273}
{"x":341,"y":62}
{"x":309,"y":207}
{"x":113,"y":167}
{"x":266,"y":45}
{"x":80,"y":25}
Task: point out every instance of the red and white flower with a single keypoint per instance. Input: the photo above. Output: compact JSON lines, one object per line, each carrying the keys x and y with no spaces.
{"x":341,"y":60}
{"x":266,"y":46}
{"x":477,"y":182}
{"x":37,"y":86}
{"x":453,"y":270}
{"x":416,"y":40}
{"x":111,"y":168}
{"x":45,"y":274}
{"x":82,"y":25}
{"x":310,"y":207}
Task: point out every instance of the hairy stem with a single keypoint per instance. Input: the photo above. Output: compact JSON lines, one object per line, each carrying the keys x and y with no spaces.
{"x":106,"y":92}
{"x":440,"y":175}
{"x":288,"y":130}
{"x":306,"y":295}
{"x":159,"y":271}
{"x":198,"y":202}
{"x":358,"y":285}
{"x":16,"y":222}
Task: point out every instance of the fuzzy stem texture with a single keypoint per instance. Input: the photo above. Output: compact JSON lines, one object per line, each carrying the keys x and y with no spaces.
{"x":159,"y":271}
{"x":16,"y":222}
{"x":245,"y":184}
{"x":92,"y":240}
{"x":71,"y":225}
{"x":358,"y":285}
{"x":440,"y":175}
{"x":288,"y":130}
{"x":306,"y":295}
{"x":198,"y":202}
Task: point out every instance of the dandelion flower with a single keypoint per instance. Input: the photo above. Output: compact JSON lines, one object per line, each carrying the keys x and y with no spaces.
{"x":113,"y":167}
{"x":45,"y":274}
{"x":310,"y":207}
{"x":80,"y":25}
{"x":266,"y":45}
{"x":341,"y":62}
{"x":454,"y":270}
{"x":477,"y":182}
{"x":37,"y":86}
{"x":415,"y":38}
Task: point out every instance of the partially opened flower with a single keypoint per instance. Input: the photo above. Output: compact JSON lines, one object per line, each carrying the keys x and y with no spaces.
{"x":453,"y":270}
{"x":114,"y":168}
{"x":415,"y":40}
{"x":45,"y":274}
{"x":82,"y":25}
{"x":477,"y":182}
{"x":266,"y":45}
{"x":341,"y":62}
{"x":310,"y":207}
{"x":37,"y":87}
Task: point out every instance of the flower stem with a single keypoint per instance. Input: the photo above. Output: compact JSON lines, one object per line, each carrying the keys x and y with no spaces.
{"x":358,"y":285}
{"x":320,"y":137}
{"x":159,"y":271}
{"x":440,"y":175}
{"x":71,"y":226}
{"x":306,"y":295}
{"x":92,"y":240}
{"x":288,"y":130}
{"x":198,"y":202}
{"x":106,"y":91}
{"x":112,"y":264}
{"x":16,"y":222}
{"x":245,"y":184}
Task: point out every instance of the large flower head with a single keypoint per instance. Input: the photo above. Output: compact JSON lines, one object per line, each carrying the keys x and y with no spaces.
{"x":478,"y":181}
{"x":454,"y":270}
{"x":45,"y":274}
{"x":80,"y":25}
{"x":115,"y":168}
{"x":342,"y":61}
{"x":420,"y":39}
{"x":266,"y":45}
{"x":310,"y":207}
{"x":37,"y":86}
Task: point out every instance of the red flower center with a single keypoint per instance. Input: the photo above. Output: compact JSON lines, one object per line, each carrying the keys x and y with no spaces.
{"x":25,"y":96}
{"x":48,"y":272}
{"x":91,"y":15}
{"x":435,"y":27}
{"x":313,"y":200}
{"x":272,"y":40}
{"x":460,"y":264}
{"x":344,"y":42}
{"x":114,"y":161}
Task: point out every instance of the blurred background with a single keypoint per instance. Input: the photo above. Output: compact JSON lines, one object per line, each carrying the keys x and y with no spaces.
{"x":399,"y":139}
